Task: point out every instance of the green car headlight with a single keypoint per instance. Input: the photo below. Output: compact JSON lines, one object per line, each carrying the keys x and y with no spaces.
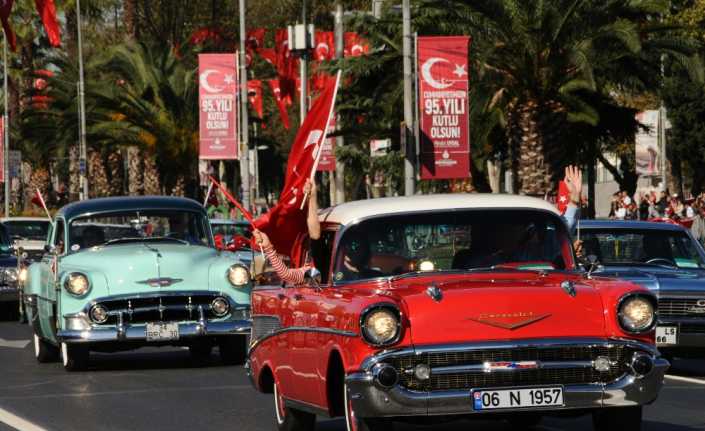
{"x":238,"y":275}
{"x":77,"y":284}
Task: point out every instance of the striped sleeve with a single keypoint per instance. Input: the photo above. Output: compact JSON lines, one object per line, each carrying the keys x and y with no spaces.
{"x":289,"y":275}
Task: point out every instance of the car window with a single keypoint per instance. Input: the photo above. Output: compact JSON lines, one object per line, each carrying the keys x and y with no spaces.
{"x":321,"y":252}
{"x":28,"y":229}
{"x":452,"y":240}
{"x":642,"y":246}
{"x":59,"y":236}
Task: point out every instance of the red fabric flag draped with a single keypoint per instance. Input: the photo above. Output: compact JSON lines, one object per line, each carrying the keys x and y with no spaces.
{"x":325,"y":46}
{"x":254,"y":95}
{"x":563,"y":197}
{"x":5,"y":10}
{"x":255,"y":38}
{"x":355,"y":45}
{"x":269,"y":55}
{"x":47,"y":11}
{"x":287,"y":65}
{"x":285,"y":224}
{"x":281,"y":103}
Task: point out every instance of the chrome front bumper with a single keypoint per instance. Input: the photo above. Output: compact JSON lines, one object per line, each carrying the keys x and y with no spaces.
{"x":370,"y":399}
{"x":691,"y":333}
{"x":137,"y":332}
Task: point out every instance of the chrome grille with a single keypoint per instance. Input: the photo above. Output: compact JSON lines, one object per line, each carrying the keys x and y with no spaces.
{"x":263,"y":326}
{"x":479,"y":378}
{"x":680,"y":307}
{"x":159,"y":308}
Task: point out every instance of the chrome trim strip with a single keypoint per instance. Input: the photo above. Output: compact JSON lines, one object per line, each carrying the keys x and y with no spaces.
{"x":318,"y":330}
{"x":484,"y":368}
{"x":306,"y":407}
{"x":544,"y":343}
{"x":160,"y":294}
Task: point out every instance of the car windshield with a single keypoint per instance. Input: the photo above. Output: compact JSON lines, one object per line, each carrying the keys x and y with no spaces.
{"x":642,"y":247}
{"x":28,"y":229}
{"x":148,"y":225}
{"x":232,"y":229}
{"x":454,"y":240}
{"x":4,"y":241}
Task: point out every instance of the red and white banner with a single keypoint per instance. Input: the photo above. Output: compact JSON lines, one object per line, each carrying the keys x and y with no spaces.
{"x":285,"y":224}
{"x":254,"y":95}
{"x":325,"y":46}
{"x":47,"y":11}
{"x":2,"y":149}
{"x":355,"y":45}
{"x":217,"y":78}
{"x":281,"y":103}
{"x":443,"y":105}
{"x":326,"y":162}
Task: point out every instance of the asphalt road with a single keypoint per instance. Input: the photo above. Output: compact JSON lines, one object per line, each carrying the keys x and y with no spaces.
{"x":161,"y":389}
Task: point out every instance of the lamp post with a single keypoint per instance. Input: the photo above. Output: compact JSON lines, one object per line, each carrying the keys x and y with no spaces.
{"x":409,"y":126}
{"x":83,"y":179}
{"x":244,"y":133}
{"x":6,"y":130}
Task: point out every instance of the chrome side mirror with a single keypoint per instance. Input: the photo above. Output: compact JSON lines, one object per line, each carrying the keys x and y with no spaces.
{"x":312,"y":277}
{"x":592,"y":265}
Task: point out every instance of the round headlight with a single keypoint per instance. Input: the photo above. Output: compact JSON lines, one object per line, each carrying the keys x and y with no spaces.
{"x":99,"y":314}
{"x":220,"y":306}
{"x":238,"y":275}
{"x":77,"y":284}
{"x":637,"y":314}
{"x":380,"y":326}
{"x":11,"y":275}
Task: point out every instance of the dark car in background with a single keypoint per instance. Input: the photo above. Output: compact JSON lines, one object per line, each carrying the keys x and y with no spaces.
{"x":9,"y":293}
{"x":666,"y":259}
{"x":28,"y":233}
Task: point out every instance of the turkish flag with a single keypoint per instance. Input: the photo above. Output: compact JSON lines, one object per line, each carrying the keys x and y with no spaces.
{"x":254,"y":95}
{"x":5,"y":10}
{"x":563,"y":197}
{"x":269,"y":55}
{"x":38,"y":200}
{"x":281,"y":103}
{"x":255,"y":38}
{"x":325,"y":46}
{"x":285,"y":224}
{"x":287,"y":65}
{"x":355,"y":45}
{"x":47,"y":11}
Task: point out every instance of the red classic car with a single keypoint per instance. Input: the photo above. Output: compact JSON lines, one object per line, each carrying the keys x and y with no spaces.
{"x":437,"y":307}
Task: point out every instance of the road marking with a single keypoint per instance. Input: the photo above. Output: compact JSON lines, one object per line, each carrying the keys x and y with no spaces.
{"x":13,"y":344}
{"x":125,"y":392}
{"x":686,"y":379}
{"x":17,"y":422}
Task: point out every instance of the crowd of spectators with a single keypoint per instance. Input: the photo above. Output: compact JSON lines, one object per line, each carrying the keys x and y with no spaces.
{"x":662,"y":207}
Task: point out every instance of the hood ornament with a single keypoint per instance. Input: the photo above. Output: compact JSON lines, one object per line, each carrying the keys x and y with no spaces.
{"x":569,"y":288}
{"x":509,"y":321}
{"x":161,"y":281}
{"x":435,"y":293}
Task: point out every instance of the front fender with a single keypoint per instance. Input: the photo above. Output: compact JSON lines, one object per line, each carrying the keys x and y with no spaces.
{"x":218,"y":278}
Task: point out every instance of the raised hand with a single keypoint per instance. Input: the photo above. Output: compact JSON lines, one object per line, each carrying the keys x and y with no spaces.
{"x":574,"y":181}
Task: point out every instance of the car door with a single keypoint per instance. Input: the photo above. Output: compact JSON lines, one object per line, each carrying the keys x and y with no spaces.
{"x":48,"y":297}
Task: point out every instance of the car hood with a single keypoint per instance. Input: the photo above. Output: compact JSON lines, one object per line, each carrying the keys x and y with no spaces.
{"x":495,"y":307}
{"x":658,"y":279}
{"x":128,"y":268}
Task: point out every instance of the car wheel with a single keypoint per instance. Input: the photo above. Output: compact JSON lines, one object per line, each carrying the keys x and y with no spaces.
{"x":525,"y":421}
{"x":44,"y":351}
{"x":617,"y":419}
{"x":74,"y":356}
{"x":291,"y":419}
{"x":354,"y":423}
{"x":233,"y":349}
{"x":200,"y":351}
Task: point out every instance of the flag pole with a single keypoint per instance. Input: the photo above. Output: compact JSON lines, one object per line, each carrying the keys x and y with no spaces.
{"x":6,"y":130}
{"x":244,"y":125}
{"x":83,"y":179}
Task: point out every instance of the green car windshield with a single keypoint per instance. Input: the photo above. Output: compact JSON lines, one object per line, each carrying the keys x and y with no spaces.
{"x":35,"y":230}
{"x":634,"y":247}
{"x":139,"y":226}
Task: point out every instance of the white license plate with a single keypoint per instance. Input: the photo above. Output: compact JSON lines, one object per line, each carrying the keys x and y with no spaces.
{"x":162,"y":331}
{"x":666,"y":335}
{"x":517,"y":398}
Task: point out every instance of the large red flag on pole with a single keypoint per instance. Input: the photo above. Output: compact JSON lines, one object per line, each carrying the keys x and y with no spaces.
{"x":5,"y":10}
{"x":47,"y":11}
{"x":285,"y":224}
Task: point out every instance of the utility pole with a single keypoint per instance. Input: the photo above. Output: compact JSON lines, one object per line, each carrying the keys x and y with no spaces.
{"x":244,"y":128}
{"x":82,"y":166}
{"x":6,"y":130}
{"x":303,"y":107}
{"x":377,"y":8}
{"x":409,"y":126}
{"x":339,"y":181}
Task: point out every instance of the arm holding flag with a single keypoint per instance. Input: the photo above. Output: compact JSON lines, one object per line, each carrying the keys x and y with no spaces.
{"x":288,"y":275}
{"x":314,"y":226}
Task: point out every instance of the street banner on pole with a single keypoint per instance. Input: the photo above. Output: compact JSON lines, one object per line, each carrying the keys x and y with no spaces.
{"x":647,"y":148}
{"x":217,"y":104}
{"x":443,"y":104}
{"x":327,"y":160}
{"x":2,"y":149}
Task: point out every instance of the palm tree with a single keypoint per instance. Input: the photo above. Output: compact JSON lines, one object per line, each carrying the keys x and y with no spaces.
{"x":547,"y":61}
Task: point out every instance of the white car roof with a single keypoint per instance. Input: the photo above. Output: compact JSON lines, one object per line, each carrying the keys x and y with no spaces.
{"x":4,"y":219}
{"x":351,"y":211}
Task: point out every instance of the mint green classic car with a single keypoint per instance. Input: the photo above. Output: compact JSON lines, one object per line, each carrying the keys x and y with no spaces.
{"x":122,"y":273}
